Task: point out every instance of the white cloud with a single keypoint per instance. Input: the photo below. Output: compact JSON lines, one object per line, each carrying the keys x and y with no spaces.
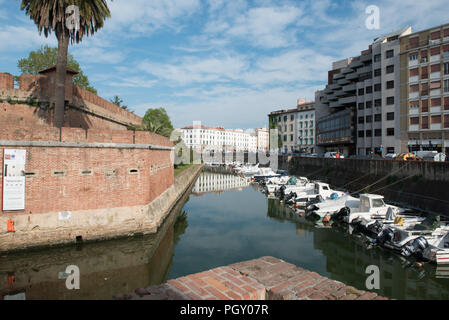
{"x":196,"y":69}
{"x":17,"y":38}
{"x":90,"y":54}
{"x":133,"y":82}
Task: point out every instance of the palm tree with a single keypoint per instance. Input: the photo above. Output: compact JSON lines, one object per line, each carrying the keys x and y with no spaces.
{"x":50,"y":15}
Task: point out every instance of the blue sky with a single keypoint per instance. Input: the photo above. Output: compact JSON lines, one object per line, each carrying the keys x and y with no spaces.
{"x":225,"y":63}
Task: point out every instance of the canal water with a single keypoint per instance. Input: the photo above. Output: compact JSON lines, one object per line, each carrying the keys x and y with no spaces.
{"x":224,"y":220}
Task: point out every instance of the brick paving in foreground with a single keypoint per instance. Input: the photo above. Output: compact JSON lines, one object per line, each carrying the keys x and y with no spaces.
{"x":266,"y":278}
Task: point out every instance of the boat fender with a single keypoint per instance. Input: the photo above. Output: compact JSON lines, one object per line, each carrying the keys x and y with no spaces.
{"x":334,"y":196}
{"x":326,"y":218}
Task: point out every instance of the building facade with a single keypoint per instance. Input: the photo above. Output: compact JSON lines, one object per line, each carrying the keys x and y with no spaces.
{"x":359,"y":110}
{"x":296,"y":128}
{"x":200,"y":138}
{"x":263,"y":139}
{"x":425,"y":90}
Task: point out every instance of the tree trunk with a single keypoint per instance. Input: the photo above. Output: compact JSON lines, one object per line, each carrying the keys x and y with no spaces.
{"x":61,"y":72}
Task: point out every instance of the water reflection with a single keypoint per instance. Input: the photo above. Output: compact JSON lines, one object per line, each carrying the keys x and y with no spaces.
{"x":227,"y":224}
{"x":106,"y":268}
{"x":216,"y":182}
{"x":347,"y":256}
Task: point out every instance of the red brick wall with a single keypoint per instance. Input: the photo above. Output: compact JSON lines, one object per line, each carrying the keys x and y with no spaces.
{"x":46,"y":192}
{"x":108,"y":106}
{"x":6,"y":81}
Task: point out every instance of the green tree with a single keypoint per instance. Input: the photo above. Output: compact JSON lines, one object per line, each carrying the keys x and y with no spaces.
{"x":157,"y":121}
{"x":47,"y":57}
{"x":119,"y":102}
{"x":50,"y":16}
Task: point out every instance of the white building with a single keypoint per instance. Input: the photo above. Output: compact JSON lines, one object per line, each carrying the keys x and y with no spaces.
{"x":263,"y":139}
{"x":215,"y":182}
{"x":199,"y":138}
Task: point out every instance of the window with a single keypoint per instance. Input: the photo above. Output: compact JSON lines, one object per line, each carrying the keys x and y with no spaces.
{"x":285,"y":138}
{"x":361,"y":134}
{"x":390,"y":54}
{"x":413,"y":57}
{"x":378,"y":102}
{"x":390,"y":132}
{"x":390,"y":101}
{"x":390,"y":116}
{"x":369,"y":89}
{"x":446,"y":68}
{"x":361,"y":92}
{"x":361,"y":120}
{"x":377,"y":203}
{"x":378,"y":132}
{"x":291,"y":127}
{"x":292,"y":117}
{"x":377,"y":87}
{"x":369,"y":104}
{"x":414,"y":121}
{"x":377,"y":72}
{"x":378,"y":117}
{"x":446,"y":85}
{"x":390,"y":84}
{"x":369,"y":119}
{"x":390,"y":69}
{"x":361,"y":106}
{"x":377,"y":58}
{"x":291,"y":137}
{"x":285,"y":118}
{"x":369,"y":133}
{"x":390,"y":150}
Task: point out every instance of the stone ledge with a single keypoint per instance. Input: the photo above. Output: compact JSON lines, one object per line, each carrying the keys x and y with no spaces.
{"x":266,"y":278}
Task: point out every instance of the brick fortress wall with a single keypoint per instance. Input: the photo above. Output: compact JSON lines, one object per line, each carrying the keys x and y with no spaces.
{"x":93,"y":167}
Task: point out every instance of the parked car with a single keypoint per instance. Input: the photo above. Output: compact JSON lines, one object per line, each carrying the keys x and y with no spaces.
{"x":334,"y":155}
{"x":390,"y":156}
{"x":408,"y":157}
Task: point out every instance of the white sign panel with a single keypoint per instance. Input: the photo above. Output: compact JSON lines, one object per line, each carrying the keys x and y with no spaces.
{"x":14,"y":179}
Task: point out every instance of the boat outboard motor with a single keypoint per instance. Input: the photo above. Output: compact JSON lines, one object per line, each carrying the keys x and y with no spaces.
{"x":416,"y":246}
{"x":386,"y":235}
{"x":289,"y":197}
{"x":374,"y":229}
{"x":344,"y":212}
{"x":391,"y":214}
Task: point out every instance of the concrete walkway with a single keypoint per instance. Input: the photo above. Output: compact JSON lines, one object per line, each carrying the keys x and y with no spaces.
{"x":266,"y":278}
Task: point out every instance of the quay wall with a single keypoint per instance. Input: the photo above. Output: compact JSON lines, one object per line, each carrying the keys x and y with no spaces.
{"x":423,"y":185}
{"x":266,"y":278}
{"x":94,"y":218}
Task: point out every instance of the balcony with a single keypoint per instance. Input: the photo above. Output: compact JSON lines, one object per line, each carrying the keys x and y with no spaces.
{"x":435,"y":126}
{"x":435,"y":109}
{"x":364,"y":70}
{"x":343,"y":81}
{"x":327,"y":90}
{"x":356,"y":64}
{"x":413,"y":63}
{"x":347,"y":70}
{"x":340,"y":93}
{"x":334,"y":104}
{"x":435,"y":75}
{"x":352,"y":76}
{"x":332,"y":97}
{"x":338,"y":76}
{"x":435,"y":93}
{"x":349,"y":87}
{"x":334,"y":86}
{"x":434,"y":42}
{"x":347,"y":100}
{"x":367,"y":57}
{"x":435,"y":58}
{"x":414,"y":111}
{"x":414,"y":127}
{"x":413,"y":95}
{"x":413,"y":79}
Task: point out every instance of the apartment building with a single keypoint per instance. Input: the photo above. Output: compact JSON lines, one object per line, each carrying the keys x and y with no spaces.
{"x":359,"y":110}
{"x":296,"y":127}
{"x":218,"y":139}
{"x":425,"y":90}
{"x":263,"y":139}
